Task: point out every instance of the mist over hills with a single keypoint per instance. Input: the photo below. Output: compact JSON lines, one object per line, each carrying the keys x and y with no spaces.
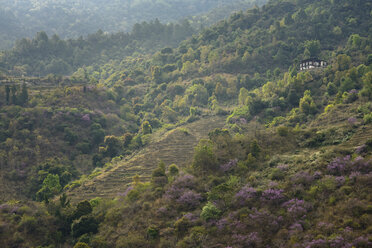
{"x":71,"y":19}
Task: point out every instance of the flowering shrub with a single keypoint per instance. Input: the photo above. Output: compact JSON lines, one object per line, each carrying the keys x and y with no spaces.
{"x":245,"y":194}
{"x":339,"y":242}
{"x":340,"y":181}
{"x":265,"y":220}
{"x":342,"y":166}
{"x":185,"y":181}
{"x":339,"y":165}
{"x":295,"y":228}
{"x":86,"y":118}
{"x":303,"y":178}
{"x":229,"y":165}
{"x":250,"y":240}
{"x":125,"y":193}
{"x":272,"y":195}
{"x":189,"y":199}
{"x":316,"y":243}
{"x":296,"y":208}
{"x":181,"y":192}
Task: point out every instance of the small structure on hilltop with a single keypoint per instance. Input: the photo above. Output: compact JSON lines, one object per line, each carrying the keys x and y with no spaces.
{"x":312,"y":63}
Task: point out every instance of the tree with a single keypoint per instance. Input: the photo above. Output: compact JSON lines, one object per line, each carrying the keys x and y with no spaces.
{"x":255,"y":148}
{"x":113,"y":146}
{"x":343,"y":62}
{"x":159,"y":178}
{"x":173,"y":170}
{"x":83,"y":208}
{"x":312,"y":48}
{"x":50,"y":187}
{"x":367,"y":86}
{"x":86,"y":224}
{"x":146,"y":127}
{"x":210,"y":211}
{"x":7,"y":92}
{"x":204,"y":157}
{"x":14,"y":92}
{"x":307,"y":105}
{"x":24,"y":95}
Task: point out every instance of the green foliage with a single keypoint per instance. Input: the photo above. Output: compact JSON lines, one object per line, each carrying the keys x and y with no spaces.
{"x":159,"y":178}
{"x":307,"y":104}
{"x":312,"y":48}
{"x":81,"y":245}
{"x":197,"y":95}
{"x":367,"y":86}
{"x":113,"y":146}
{"x":50,"y":187}
{"x":83,"y":208}
{"x":204,"y":158}
{"x":86,"y":224}
{"x":146,"y":128}
{"x":210,"y":212}
{"x":367,"y":118}
{"x":173,"y":170}
{"x":152,"y":232}
{"x":255,"y":148}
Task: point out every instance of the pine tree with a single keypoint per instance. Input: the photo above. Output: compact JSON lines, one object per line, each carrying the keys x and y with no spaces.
{"x":14,"y":96}
{"x":24,"y":95}
{"x":7,"y":91}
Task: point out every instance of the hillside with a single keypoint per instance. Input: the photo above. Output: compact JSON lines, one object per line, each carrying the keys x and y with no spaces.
{"x":72,"y":19}
{"x":171,"y":147}
{"x":221,"y":141}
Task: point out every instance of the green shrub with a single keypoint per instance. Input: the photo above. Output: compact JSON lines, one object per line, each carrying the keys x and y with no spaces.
{"x":86,"y":224}
{"x":83,"y":147}
{"x":210,"y":211}
{"x":367,"y":118}
{"x":277,"y":174}
{"x":153,"y":232}
{"x":28,"y":224}
{"x":282,"y":131}
{"x":81,"y":245}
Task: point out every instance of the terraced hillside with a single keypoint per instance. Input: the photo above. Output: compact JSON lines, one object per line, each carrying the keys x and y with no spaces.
{"x":175,"y":146}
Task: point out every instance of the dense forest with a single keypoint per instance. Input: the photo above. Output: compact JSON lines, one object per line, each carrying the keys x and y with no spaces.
{"x":72,"y":19}
{"x":164,"y":137}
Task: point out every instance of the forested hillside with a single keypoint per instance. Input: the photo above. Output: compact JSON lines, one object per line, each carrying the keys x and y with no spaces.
{"x":102,"y":158}
{"x":72,"y":19}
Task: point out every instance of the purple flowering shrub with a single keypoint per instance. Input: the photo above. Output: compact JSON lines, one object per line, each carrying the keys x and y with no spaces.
{"x":265,"y":221}
{"x":189,"y":199}
{"x":86,"y":118}
{"x":181,"y":191}
{"x":302,"y":178}
{"x":338,"y":241}
{"x":339,"y":166}
{"x":296,"y":208}
{"x":296,"y":228}
{"x":345,"y":165}
{"x":249,"y":240}
{"x":125,"y":193}
{"x":316,"y":243}
{"x":229,"y":166}
{"x":274,"y":196}
{"x":245,"y":195}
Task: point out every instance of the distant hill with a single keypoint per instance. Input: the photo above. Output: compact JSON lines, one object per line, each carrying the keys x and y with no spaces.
{"x":71,"y":19}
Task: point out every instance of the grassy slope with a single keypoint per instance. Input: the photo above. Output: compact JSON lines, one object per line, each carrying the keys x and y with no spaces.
{"x":174,"y":146}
